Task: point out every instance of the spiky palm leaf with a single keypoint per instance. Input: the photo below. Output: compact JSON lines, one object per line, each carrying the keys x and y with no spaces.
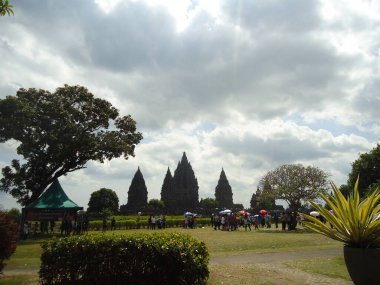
{"x":354,"y":222}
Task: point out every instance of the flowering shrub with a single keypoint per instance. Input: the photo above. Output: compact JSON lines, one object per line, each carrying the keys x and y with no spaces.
{"x":8,"y":238}
{"x":138,"y":259}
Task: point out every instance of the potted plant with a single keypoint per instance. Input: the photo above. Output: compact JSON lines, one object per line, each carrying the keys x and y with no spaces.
{"x":356,"y":223}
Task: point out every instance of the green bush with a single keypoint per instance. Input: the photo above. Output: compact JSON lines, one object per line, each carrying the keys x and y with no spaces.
{"x":8,"y":237}
{"x":137,"y":259}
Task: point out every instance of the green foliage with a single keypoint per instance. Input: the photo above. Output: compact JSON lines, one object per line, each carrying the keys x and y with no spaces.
{"x":6,"y":8}
{"x":295,"y":184}
{"x":355,"y":222}
{"x":156,"y":204}
{"x":103,"y":201}
{"x":15,"y":215}
{"x":367,"y":166}
{"x":137,"y":259}
{"x":59,"y":133}
{"x":8,"y":238}
{"x":262,"y":199}
{"x":208,"y":205}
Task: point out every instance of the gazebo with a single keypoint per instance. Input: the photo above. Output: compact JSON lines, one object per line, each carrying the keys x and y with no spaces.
{"x":53,"y":204}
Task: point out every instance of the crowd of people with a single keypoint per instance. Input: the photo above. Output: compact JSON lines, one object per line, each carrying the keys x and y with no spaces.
{"x":159,"y":222}
{"x":70,"y":224}
{"x":232,"y":221}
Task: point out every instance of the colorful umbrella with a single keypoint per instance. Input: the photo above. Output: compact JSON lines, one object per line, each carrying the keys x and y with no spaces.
{"x":263,"y":212}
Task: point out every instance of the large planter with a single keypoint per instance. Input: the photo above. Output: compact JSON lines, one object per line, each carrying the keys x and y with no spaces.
{"x":363,"y":265}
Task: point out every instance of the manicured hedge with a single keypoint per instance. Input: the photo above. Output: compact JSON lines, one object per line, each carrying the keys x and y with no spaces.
{"x":159,"y":258}
{"x":131,"y":224}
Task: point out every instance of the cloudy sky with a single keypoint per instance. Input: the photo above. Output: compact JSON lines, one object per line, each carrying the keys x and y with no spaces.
{"x":244,"y":85}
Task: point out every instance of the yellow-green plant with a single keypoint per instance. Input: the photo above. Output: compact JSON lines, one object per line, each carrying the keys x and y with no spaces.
{"x":354,"y":221}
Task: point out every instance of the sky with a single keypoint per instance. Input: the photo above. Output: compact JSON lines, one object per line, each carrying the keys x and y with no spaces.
{"x":244,"y":85}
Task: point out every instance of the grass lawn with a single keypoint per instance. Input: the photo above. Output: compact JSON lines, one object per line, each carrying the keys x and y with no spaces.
{"x":333,"y":267}
{"x":23,"y":266}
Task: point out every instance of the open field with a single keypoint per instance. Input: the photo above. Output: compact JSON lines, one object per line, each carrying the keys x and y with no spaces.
{"x":252,"y":257}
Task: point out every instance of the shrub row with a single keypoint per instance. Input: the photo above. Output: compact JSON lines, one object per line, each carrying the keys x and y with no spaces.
{"x":137,"y":259}
{"x":131,"y":224}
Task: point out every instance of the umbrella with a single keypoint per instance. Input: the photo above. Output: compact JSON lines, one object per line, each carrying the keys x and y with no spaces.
{"x":256,"y":216}
{"x":263,"y":212}
{"x":242,"y":212}
{"x":225,"y":212}
{"x":314,"y":213}
{"x":188,"y":214}
{"x":332,"y":212}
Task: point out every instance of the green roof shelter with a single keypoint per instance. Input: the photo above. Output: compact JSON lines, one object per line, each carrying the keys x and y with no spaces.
{"x":52,"y":204}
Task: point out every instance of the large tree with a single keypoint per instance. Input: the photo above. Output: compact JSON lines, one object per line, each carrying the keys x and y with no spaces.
{"x":295,"y":184}
{"x":367,"y":168}
{"x":59,"y":133}
{"x":103,"y":201}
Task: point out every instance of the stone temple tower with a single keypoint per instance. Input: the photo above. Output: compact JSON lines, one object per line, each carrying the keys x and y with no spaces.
{"x":180,"y":193}
{"x":223,"y":192}
{"x":137,"y":194}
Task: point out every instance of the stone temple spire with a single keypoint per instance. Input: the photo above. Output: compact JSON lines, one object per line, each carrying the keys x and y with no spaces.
{"x":138,"y":193}
{"x":184,"y":192}
{"x":167,"y":189}
{"x":223,"y":192}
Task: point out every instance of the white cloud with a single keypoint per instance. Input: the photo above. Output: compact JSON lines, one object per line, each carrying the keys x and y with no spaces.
{"x":245,"y":85}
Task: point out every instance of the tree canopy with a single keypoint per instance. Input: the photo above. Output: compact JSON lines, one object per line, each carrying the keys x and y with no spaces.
{"x":208,"y":205}
{"x":103,"y":201}
{"x":5,"y":8}
{"x":367,"y":168}
{"x":295,"y":184}
{"x":59,"y":133}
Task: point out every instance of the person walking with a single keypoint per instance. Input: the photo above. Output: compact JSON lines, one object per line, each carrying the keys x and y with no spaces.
{"x":247,"y":222}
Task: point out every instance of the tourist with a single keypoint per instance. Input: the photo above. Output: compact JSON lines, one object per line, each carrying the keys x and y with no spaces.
{"x":247,"y":222}
{"x":25,"y":231}
{"x":284,"y":220}
{"x":255,"y":222}
{"x":216,"y":222}
{"x":233,"y":222}
{"x":275,"y":217}
{"x":268,"y":221}
{"x":163,"y":222}
{"x":113,"y":224}
{"x":223,"y":222}
{"x":153,"y":222}
{"x":104,"y":226}
{"x":262,"y":221}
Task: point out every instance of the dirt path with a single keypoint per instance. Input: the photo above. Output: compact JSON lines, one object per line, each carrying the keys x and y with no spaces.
{"x":273,"y":270}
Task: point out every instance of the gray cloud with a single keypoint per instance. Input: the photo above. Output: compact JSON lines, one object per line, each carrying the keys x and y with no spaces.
{"x":253,"y":63}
